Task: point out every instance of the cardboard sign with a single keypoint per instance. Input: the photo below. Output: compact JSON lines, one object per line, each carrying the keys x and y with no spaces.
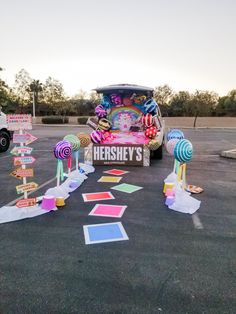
{"x":29,"y":172}
{"x":21,"y":150}
{"x":31,"y":186}
{"x":26,"y":202}
{"x":26,"y":138}
{"x":24,"y":160}
{"x":19,"y":122}
{"x":120,"y":154}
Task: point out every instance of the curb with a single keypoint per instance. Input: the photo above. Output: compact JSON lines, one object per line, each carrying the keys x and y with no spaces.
{"x":229,"y":153}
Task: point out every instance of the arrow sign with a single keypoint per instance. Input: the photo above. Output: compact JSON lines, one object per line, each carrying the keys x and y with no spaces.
{"x":25,"y":172}
{"x":26,"y":138}
{"x":15,"y":175}
{"x":26,"y":203}
{"x":21,"y":150}
{"x":24,"y":160}
{"x":31,"y":186}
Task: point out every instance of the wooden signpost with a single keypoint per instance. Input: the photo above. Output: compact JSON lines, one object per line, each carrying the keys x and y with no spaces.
{"x":21,"y":122}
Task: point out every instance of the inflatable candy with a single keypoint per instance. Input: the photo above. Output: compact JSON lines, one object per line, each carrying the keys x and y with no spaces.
{"x":106,"y":103}
{"x":150,"y":106}
{"x":147,"y":120}
{"x":100,"y":111}
{"x":75,"y":142}
{"x":153,"y":144}
{"x":116,"y":99}
{"x":175,"y":133}
{"x":84,"y":139}
{"x":170,"y":145}
{"x":139,"y":99}
{"x":63,"y":150}
{"x":151,"y":132}
{"x":104,"y":124}
{"x":183,"y":151}
{"x":96,"y":136}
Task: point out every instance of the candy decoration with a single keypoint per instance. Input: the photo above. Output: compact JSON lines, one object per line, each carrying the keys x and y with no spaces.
{"x":62,"y":150}
{"x":150,"y":106}
{"x":147,"y":120}
{"x":84,"y":139}
{"x":100,"y":111}
{"x":151,"y":132}
{"x":106,"y":103}
{"x":175,"y":133}
{"x":170,"y":145}
{"x":104,"y":124}
{"x":153,"y":144}
{"x":96,"y":136}
{"x":127,"y":101}
{"x":75,"y":143}
{"x":183,"y":151}
{"x":116,"y":99}
{"x":138,"y":100}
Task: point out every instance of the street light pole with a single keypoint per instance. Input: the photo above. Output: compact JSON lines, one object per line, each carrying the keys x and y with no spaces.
{"x":33,"y":105}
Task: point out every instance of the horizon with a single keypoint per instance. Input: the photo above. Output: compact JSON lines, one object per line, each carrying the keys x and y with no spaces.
{"x":188,"y":45}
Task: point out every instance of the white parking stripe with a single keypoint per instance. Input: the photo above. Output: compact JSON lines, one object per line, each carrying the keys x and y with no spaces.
{"x":197,"y":222}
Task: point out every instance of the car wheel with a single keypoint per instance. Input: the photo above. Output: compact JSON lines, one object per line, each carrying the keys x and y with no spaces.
{"x":4,"y":141}
{"x":157,"y":154}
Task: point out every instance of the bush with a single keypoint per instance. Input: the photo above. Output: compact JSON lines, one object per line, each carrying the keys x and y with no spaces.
{"x":82,"y":120}
{"x":55,"y":120}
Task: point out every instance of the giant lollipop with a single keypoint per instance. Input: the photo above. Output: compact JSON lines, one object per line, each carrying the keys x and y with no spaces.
{"x":170,"y":145}
{"x":84,"y":139}
{"x":62,"y":150}
{"x":175,"y":133}
{"x":75,"y":143}
{"x":183,"y":151}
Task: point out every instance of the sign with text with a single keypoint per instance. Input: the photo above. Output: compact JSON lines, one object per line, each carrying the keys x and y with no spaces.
{"x":24,"y":160}
{"x":19,"y":122}
{"x":28,"y":172}
{"x":120,"y":154}
{"x":31,"y":186}
{"x":26,"y":138}
{"x":26,"y":202}
{"x":21,"y":150}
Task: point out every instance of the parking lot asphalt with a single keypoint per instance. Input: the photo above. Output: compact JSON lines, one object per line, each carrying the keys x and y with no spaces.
{"x":167,"y":265}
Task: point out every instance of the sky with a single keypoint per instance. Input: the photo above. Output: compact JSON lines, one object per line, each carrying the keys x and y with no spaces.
{"x":186,"y":44}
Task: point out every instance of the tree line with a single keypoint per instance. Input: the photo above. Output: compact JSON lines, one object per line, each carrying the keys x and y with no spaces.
{"x":50,"y":99}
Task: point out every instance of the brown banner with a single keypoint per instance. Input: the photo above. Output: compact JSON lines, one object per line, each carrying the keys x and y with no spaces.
{"x":118,"y":154}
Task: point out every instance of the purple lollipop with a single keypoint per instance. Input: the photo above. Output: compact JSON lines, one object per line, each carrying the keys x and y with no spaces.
{"x":100,"y":111}
{"x":63,"y":150}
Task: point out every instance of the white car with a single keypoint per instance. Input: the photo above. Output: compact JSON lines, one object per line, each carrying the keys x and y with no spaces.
{"x":5,"y":135}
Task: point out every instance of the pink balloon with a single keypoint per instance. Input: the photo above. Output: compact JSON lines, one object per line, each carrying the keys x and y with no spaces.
{"x":170,"y":145}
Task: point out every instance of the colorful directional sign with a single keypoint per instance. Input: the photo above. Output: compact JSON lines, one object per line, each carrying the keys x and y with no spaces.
{"x":15,"y":175}
{"x":17,"y":150}
{"x":29,"y":172}
{"x":31,"y":186}
{"x":26,"y":202}
{"x":19,"y":122}
{"x":23,"y":160}
{"x":26,"y":138}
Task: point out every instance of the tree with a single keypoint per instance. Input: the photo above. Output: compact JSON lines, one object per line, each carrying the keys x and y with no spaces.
{"x":53,"y":91}
{"x":163,"y":94}
{"x":179,"y":104}
{"x":21,"y":88}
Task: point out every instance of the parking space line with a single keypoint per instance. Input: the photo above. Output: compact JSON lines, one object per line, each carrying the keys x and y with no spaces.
{"x":197,"y":222}
{"x":5,"y":156}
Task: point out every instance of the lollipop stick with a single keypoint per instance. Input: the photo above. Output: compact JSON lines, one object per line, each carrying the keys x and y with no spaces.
{"x":69,"y":164}
{"x":184,"y":176}
{"x":77,"y":160}
{"x":58,"y":172}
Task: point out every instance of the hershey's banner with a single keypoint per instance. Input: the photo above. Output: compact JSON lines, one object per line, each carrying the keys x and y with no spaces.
{"x":120,"y":154}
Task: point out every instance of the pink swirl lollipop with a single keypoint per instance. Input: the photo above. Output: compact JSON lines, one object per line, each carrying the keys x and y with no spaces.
{"x":170,"y":145}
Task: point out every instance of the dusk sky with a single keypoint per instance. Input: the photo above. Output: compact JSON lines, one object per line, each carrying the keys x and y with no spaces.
{"x":186,"y":44}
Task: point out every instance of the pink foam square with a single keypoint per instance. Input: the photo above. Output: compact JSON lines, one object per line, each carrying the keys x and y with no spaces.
{"x":108,"y":210}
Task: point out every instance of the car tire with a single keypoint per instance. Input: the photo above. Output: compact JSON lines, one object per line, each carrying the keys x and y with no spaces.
{"x":157,"y":154}
{"x":4,"y":141}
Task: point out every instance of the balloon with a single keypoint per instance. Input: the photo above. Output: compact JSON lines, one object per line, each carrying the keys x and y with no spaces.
{"x":116,"y":99}
{"x":175,"y":133}
{"x":150,"y":106}
{"x":153,"y":144}
{"x":147,"y":120}
{"x":100,"y":111}
{"x":151,"y":132}
{"x":96,"y":136}
{"x":170,"y":145}
{"x":104,"y":124}
{"x":63,"y":150}
{"x":183,"y":151}
{"x":84,"y":139}
{"x":106,"y":103}
{"x":75,"y":142}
